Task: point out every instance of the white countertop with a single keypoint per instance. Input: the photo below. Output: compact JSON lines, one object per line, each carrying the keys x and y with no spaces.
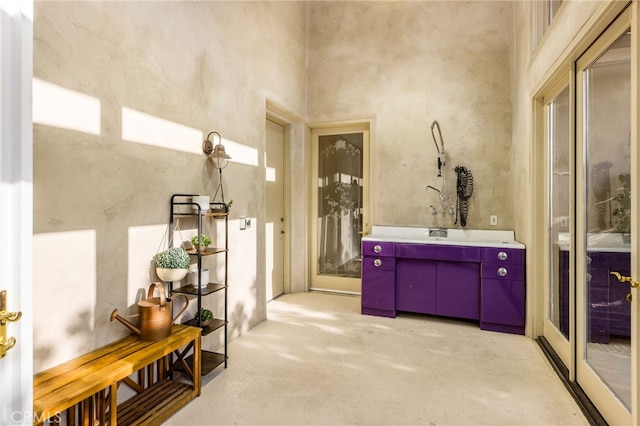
{"x":456,"y":237}
{"x":605,"y":242}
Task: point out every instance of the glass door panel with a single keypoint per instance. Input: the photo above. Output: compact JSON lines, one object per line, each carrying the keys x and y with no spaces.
{"x":560,"y":189}
{"x":603,"y":243}
{"x":339,"y":202}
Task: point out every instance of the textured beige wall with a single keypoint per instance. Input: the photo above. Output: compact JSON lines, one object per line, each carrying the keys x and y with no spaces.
{"x":102,"y":201}
{"x":403,"y":65}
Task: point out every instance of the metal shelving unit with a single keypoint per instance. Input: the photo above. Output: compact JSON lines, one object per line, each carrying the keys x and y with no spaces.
{"x":216,"y":211}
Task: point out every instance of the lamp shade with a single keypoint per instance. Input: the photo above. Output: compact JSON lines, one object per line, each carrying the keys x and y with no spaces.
{"x":217,"y":153}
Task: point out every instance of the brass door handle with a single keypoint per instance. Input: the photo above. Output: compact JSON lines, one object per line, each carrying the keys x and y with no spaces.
{"x":624,"y":279}
{"x":6,"y":344}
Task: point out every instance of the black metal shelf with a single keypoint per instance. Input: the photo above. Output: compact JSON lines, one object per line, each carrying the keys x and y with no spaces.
{"x":203,"y":291}
{"x":210,"y":360}
{"x":209,"y":328}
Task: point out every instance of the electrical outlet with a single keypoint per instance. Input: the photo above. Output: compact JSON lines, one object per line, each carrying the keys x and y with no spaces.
{"x":493,"y":220}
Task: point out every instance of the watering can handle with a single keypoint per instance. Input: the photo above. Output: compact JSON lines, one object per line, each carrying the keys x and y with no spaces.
{"x":186,"y":303}
{"x":163,"y":298}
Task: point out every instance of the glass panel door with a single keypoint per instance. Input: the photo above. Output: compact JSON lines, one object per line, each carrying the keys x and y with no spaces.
{"x":339,"y":202}
{"x":604,"y":226}
{"x":560,"y":178}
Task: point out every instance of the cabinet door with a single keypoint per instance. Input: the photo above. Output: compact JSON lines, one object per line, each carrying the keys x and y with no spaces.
{"x":378,"y":295}
{"x":416,"y":285}
{"x":502,"y":302}
{"x":458,"y":291}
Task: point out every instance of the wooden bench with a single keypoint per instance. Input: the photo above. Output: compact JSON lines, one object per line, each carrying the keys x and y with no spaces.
{"x":84,"y":391}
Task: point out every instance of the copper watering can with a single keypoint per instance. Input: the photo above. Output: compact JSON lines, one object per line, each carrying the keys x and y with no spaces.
{"x":155,"y":315}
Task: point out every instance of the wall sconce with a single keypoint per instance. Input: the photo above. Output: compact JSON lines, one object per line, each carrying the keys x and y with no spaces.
{"x":219,"y":158}
{"x":217,"y":153}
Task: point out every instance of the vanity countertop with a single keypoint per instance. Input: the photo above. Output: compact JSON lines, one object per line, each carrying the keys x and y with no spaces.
{"x":458,"y":237}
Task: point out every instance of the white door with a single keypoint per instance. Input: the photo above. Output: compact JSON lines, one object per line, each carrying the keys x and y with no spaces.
{"x":16,"y":70}
{"x":275,"y":223}
{"x":606,"y":189}
{"x":339,"y":206}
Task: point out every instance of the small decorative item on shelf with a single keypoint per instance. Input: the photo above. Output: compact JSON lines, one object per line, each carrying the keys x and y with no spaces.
{"x":202,"y":244}
{"x":204,"y":278}
{"x":222,"y":207}
{"x":172,"y":264}
{"x":205,"y":316}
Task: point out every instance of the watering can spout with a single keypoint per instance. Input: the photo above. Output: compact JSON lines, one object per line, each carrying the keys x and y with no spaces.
{"x":114,"y":315}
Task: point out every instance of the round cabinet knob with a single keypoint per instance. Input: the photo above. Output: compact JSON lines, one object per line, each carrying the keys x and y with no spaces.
{"x":502,"y":255}
{"x":377,"y":248}
{"x":377,"y":262}
{"x":502,"y":272}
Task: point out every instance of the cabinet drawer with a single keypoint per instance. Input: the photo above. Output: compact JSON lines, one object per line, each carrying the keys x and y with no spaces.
{"x":503,"y":255}
{"x":378,"y":248}
{"x":502,"y":271}
{"x":438,"y":252}
{"x":371,"y":263}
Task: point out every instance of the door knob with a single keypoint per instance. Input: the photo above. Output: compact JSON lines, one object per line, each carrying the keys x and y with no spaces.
{"x":624,"y":279}
{"x":6,"y":344}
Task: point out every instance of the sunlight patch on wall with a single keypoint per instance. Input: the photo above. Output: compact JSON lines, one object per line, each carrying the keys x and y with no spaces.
{"x":150,"y":130}
{"x":60,"y":107}
{"x":271,"y":174}
{"x":144,"y":243}
{"x":64,"y":290}
{"x":241,"y":153}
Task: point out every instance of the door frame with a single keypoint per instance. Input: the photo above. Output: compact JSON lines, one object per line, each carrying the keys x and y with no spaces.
{"x":328,"y":128}
{"x":16,"y":216}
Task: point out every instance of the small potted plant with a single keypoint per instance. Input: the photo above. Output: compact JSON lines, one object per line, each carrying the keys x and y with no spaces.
{"x":172,"y":264}
{"x":202,"y":243}
{"x":622,"y":214}
{"x":222,"y":207}
{"x":204,"y":316}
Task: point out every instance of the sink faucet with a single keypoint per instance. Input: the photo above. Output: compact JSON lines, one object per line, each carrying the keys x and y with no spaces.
{"x":443,"y":198}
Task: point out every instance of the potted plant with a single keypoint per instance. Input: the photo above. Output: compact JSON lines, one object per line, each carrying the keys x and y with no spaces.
{"x":202,"y":243}
{"x":204,"y":316}
{"x":622,"y":214}
{"x":222,"y":207}
{"x":172,"y":264}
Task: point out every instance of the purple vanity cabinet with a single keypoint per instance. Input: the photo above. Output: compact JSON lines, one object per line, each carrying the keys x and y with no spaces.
{"x":438,"y":279}
{"x":503,"y":290}
{"x":471,"y":282}
{"x":378,"y":279}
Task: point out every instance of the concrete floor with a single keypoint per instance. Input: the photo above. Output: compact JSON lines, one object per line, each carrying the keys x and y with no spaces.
{"x":317,"y":361}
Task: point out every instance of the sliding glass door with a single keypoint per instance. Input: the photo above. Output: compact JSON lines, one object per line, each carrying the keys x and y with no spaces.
{"x":591,"y":240}
{"x":604,"y":228}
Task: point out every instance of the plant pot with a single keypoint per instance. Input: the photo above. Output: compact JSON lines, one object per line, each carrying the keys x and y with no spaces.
{"x":204,"y":274}
{"x":171,"y":274}
{"x":205,"y":323}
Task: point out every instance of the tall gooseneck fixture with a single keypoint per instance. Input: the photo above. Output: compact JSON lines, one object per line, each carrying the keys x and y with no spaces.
{"x":440,"y":148}
{"x":219,"y":159}
{"x":441,"y":164}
